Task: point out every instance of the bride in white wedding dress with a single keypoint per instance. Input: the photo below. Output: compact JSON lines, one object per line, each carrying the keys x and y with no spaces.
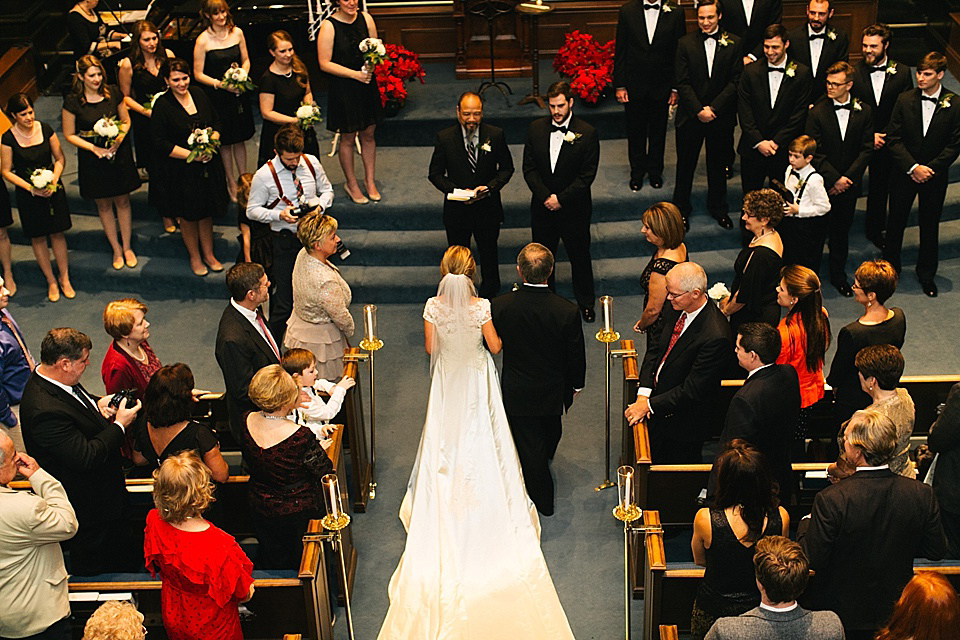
{"x":472,"y":568}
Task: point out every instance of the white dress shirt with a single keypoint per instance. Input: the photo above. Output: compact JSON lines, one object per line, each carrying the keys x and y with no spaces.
{"x":779,"y":609}
{"x":748,"y":10}
{"x":556,"y":139}
{"x":691,"y":316}
{"x":710,"y":48}
{"x":843,"y":116}
{"x":251,"y":317}
{"x":263,"y":191}
{"x":775,"y":79}
{"x":816,"y":47}
{"x":927,"y":107}
{"x":877,"y":80}
{"x":814,"y":201}
{"x":651,"y":17}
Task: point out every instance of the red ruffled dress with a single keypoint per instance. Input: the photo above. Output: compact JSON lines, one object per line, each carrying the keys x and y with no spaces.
{"x":205,"y":574}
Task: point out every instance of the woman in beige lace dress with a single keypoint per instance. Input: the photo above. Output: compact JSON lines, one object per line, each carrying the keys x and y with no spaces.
{"x":321,"y":320}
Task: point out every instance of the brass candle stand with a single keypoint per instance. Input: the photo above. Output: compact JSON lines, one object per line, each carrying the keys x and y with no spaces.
{"x":607,"y":335}
{"x":628,"y":512}
{"x":372,"y":344}
{"x":335,"y":521}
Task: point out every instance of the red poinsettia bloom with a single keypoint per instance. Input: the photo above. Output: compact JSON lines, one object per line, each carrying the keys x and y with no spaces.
{"x":588,"y":64}
{"x":399,"y":66}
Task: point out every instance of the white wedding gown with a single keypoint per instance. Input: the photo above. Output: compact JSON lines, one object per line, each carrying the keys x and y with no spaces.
{"x":472,"y":568}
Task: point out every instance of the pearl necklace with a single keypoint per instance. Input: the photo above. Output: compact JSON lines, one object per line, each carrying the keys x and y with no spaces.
{"x":757,"y":238}
{"x":269,"y":417}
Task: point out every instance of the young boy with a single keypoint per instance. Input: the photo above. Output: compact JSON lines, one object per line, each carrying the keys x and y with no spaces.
{"x":313,"y":412}
{"x":803,"y":229}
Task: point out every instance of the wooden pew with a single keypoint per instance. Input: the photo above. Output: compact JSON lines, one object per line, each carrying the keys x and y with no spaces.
{"x":631,"y":379}
{"x":356,"y":438}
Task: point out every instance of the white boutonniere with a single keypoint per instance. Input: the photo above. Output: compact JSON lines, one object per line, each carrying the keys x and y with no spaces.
{"x":485,"y":147}
{"x":791,"y":69}
{"x":892,"y":68}
{"x":831,"y":33}
{"x":571,"y":137}
{"x":666,"y":8}
{"x":724,"y":40}
{"x":945,"y":101}
{"x":856,"y":105}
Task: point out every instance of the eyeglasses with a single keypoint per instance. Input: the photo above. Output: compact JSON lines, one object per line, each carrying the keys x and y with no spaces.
{"x":674,"y":296}
{"x":836,"y":85}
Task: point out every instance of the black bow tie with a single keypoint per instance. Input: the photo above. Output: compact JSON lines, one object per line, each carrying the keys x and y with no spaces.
{"x":928,"y":99}
{"x":651,"y":7}
{"x":776,"y":70}
{"x":818,"y":36}
{"x":795,"y":173}
{"x":709,"y":36}
{"x":847,"y":106}
{"x":560,"y":129}
{"x":881,"y":69}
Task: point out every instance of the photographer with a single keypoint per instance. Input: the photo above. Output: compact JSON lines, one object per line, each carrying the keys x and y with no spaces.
{"x":286,"y":188}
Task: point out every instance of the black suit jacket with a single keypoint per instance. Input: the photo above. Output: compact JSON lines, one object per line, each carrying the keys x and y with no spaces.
{"x":687,"y":389}
{"x":908,"y":146}
{"x":765,"y":13}
{"x":697,"y":89}
{"x":77,"y":446}
{"x":836,"y":47}
{"x":543,"y":351}
{"x":644,"y":68}
{"x":575,"y":171}
{"x":450,"y":169}
{"x":241,"y":351}
{"x":786,"y":119}
{"x":893,"y":85}
{"x":861,"y":540}
{"x":836,"y":156}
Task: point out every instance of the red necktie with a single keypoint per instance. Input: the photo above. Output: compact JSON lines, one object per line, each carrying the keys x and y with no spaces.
{"x":16,"y":334}
{"x":296,"y":183}
{"x":266,"y":333}
{"x":677,"y":330}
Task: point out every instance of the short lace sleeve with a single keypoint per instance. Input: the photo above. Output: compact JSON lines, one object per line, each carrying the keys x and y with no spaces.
{"x":483,"y":306}
{"x":430,"y":311}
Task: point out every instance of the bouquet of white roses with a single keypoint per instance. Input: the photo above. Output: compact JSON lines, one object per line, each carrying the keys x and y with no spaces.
{"x":203,"y":142}
{"x":151,"y":100}
{"x":43,"y":179}
{"x":373,"y":52}
{"x":237,"y":79}
{"x":105,"y":132}
{"x":718,"y":292}
{"x":308,"y":115}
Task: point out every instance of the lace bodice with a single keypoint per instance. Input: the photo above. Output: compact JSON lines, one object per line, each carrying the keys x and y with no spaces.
{"x":458,"y":340}
{"x":320,"y":295}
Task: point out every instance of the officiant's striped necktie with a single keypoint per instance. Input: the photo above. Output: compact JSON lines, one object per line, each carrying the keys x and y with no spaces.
{"x":472,"y":154}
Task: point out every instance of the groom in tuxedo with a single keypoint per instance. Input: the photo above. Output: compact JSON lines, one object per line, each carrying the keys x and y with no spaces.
{"x":544,"y":365}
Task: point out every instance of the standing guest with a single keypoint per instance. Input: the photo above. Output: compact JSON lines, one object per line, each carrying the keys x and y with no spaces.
{"x":354,"y":108}
{"x":204,"y":572}
{"x":220,"y":47}
{"x":107,"y":173}
{"x":927,"y":608}
{"x":129,"y":361}
{"x":873,"y":284}
{"x":681,"y":371}
{"x":878,"y":81}
{"x":757,"y":268}
{"x":708,"y":68}
{"x":256,"y":245}
{"x":289,"y":182}
{"x":819,"y":45}
{"x":140,"y":81}
{"x":745,"y":509}
{"x":115,"y":620}
{"x":77,"y":437}
{"x":473,"y":157}
{"x":16,"y":363}
{"x":33,"y":580}
{"x":646,"y":49}
{"x":843,"y":128}
{"x":944,"y":440}
{"x":662,"y":226}
{"x":321,"y":320}
{"x":29,"y":145}
{"x":747,"y":20}
{"x":244,"y":344}
{"x":194,"y":191}
{"x":924,"y":140}
{"x":284,"y":87}
{"x":864,"y":532}
{"x":88,"y":33}
{"x":805,"y":222}
{"x":782,"y":572}
{"x":560,"y":160}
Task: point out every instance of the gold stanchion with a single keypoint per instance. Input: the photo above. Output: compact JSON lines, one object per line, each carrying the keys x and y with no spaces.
{"x":372,"y":344}
{"x":608,"y":335}
{"x":626,"y":512}
{"x":336,"y":520}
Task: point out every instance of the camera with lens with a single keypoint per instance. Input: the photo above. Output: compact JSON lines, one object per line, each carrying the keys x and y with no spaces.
{"x":304,"y":207}
{"x":123,"y":398}
{"x":342,"y":252}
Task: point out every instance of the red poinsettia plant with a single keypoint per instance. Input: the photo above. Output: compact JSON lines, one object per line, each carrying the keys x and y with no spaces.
{"x":587,"y":63}
{"x":399,"y":66}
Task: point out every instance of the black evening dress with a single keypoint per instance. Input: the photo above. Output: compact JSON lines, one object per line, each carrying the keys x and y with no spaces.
{"x":191,"y":190}
{"x":84,"y":33}
{"x":351,"y":105}
{"x":144,"y":86}
{"x":287,"y":97}
{"x":38,"y":216}
{"x":236,"y":116}
{"x":100,"y":177}
{"x":661,"y":266}
{"x":756,"y":286}
{"x":193,"y":437}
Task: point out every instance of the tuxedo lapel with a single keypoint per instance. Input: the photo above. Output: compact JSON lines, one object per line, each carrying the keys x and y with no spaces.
{"x":87,"y":421}
{"x":690,"y":334}
{"x":254,"y":335}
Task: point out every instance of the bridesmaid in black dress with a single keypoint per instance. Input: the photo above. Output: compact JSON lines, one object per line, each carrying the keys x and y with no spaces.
{"x":107,"y":175}
{"x":283,"y":88}
{"x":27,"y":146}
{"x":221,"y":45}
{"x":88,"y":33}
{"x":194,"y":192}
{"x":663,"y":228}
{"x":139,"y":80}
{"x":353,"y":100}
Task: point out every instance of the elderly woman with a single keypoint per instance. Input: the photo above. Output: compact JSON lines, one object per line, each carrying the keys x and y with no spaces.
{"x":873,"y":284}
{"x":168,"y":404}
{"x":205,"y":574}
{"x":115,"y":620}
{"x":129,"y":361}
{"x":321,"y":320}
{"x":286,"y":463}
{"x":663,"y":228}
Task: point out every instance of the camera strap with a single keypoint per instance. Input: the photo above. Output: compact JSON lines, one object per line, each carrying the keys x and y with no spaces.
{"x":276,"y":180}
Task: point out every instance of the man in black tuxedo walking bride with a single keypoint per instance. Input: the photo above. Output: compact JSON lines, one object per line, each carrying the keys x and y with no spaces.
{"x":544,"y":366}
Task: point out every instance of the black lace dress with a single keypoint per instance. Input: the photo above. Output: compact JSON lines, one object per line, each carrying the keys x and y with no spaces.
{"x":351,"y":105}
{"x":38,"y":216}
{"x":287,"y":97}
{"x":661,"y":266}
{"x":236,"y":115}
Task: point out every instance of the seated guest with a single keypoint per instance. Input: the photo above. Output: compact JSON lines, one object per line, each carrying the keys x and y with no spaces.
{"x":662,"y":226}
{"x":16,"y":363}
{"x":313,"y":411}
{"x":944,"y":440}
{"x":286,"y":463}
{"x":782,"y":573}
{"x":205,"y":574}
{"x":168,"y":429}
{"x":115,"y":620}
{"x":129,"y":361}
{"x":880,"y":368}
{"x":745,"y":509}
{"x":928,"y":608}
{"x":33,"y":580}
{"x":873,"y":284}
{"x":865,"y":531}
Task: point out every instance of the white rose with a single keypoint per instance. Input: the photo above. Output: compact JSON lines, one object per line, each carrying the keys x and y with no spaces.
{"x":106,"y":128}
{"x":365,"y":44}
{"x":381,"y":50}
{"x":718,"y":291}
{"x":305,"y":111}
{"x":192,"y":138}
{"x":204,"y":137}
{"x":41,"y":178}
{"x":569,"y":136}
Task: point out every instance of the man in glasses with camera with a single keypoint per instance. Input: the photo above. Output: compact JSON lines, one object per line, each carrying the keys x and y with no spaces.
{"x":289,"y":186}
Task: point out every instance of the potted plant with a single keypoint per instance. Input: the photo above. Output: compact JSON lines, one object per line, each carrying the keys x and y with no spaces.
{"x":399,"y":66}
{"x":588,"y":64}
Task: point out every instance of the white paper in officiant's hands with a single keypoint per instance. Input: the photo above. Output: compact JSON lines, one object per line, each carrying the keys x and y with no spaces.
{"x":461,"y":195}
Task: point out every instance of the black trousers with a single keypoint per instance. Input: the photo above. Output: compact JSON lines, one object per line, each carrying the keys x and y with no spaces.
{"x":646,"y":121}
{"x":280,"y":539}
{"x":549,"y":228}
{"x":803,"y":240}
{"x":108,"y":546}
{"x":484,"y":227}
{"x":59,"y":630}
{"x":690,"y":138}
{"x":665,"y":448}
{"x":951,"y":527}
{"x":842,"y":207}
{"x":286,"y":246}
{"x":536,"y":439}
{"x":878,"y":192}
{"x":903,"y":191}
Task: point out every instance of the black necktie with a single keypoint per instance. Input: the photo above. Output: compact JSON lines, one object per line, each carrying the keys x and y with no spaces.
{"x":84,"y":398}
{"x":775,"y":70}
{"x":651,"y":7}
{"x":881,"y":69}
{"x":708,"y":36}
{"x":472,"y":154}
{"x":847,"y":106}
{"x":818,"y":36}
{"x":795,"y":173}
{"x":928,"y":98}
{"x":560,"y":129}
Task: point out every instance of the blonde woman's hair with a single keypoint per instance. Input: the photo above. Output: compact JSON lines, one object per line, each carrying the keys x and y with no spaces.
{"x":83,"y":65}
{"x":114,"y":620}
{"x":118,"y":316}
{"x":458,"y":261}
{"x":182,"y":487}
{"x":272,"y":388}
{"x":314,"y":227}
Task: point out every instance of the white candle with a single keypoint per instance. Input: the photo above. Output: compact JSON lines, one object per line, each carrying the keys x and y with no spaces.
{"x":625,"y":486}
{"x":370,"y":322}
{"x":606,"y":306}
{"x":331,"y":495}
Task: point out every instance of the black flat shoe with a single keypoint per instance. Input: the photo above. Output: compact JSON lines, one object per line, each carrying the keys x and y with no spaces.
{"x":929,"y":287}
{"x":636,"y":185}
{"x":588,"y":314}
{"x":724,"y":221}
{"x":843,"y":289}
{"x":656,"y":181}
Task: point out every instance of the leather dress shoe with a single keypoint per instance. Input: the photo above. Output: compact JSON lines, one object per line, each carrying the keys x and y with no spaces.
{"x":843,"y":288}
{"x":686,"y":224}
{"x":588,"y":314}
{"x":724,"y":221}
{"x":929,"y":287}
{"x":656,"y":181}
{"x":728,"y":173}
{"x":636,"y":185}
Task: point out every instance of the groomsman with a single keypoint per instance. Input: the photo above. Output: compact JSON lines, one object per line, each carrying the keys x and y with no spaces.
{"x":843,"y":128}
{"x":747,"y":20}
{"x":819,"y":44}
{"x":473,"y":156}
{"x":708,"y":70}
{"x":879,"y":81}
{"x":647,"y":36}
{"x":924,"y":140}
{"x":560,"y":160}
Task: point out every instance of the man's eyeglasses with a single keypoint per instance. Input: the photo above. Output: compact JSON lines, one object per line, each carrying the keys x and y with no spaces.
{"x":673,"y":296}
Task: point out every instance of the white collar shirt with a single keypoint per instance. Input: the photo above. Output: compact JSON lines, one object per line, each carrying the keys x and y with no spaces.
{"x":816,"y":46}
{"x":928,"y":107}
{"x":651,"y":17}
{"x":748,"y":10}
{"x":843,"y":116}
{"x":251,"y":317}
{"x":775,"y":79}
{"x":877,"y":79}
{"x":690,"y":317}
{"x":710,"y":49}
{"x":556,"y":140}
{"x":264,"y":192}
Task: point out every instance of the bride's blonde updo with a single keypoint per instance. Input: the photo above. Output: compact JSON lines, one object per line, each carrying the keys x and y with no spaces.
{"x":458,"y":261}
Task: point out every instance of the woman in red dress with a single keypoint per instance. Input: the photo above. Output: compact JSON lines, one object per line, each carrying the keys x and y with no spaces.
{"x":205,"y":573}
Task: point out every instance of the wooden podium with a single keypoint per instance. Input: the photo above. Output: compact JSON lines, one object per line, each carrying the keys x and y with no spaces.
{"x":473,"y":39}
